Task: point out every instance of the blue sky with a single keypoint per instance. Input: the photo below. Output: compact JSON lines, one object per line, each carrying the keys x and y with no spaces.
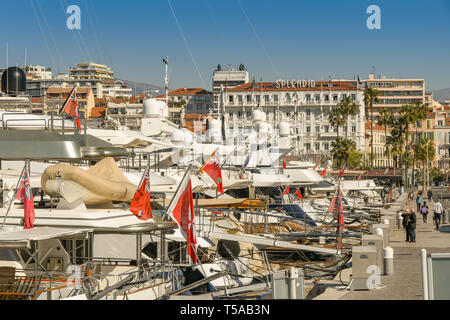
{"x":291,"y":39}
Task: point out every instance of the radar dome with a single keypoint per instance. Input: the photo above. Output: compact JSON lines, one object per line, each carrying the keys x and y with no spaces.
{"x":151,"y":108}
{"x":177,"y":136}
{"x":257,"y":115}
{"x":14,"y":81}
{"x":285,"y":129}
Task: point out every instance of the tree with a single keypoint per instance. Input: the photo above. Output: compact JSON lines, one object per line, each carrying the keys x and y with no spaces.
{"x":337,"y":118}
{"x":341,"y":149}
{"x":371,"y":96}
{"x":347,"y":107}
{"x":355,"y":159}
{"x":420,"y":113}
{"x":386,"y":118}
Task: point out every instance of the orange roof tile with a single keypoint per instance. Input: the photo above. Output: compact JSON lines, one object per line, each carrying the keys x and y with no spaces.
{"x":98,"y":112}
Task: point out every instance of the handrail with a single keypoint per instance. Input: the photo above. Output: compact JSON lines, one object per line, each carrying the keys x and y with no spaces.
{"x":5,"y":123}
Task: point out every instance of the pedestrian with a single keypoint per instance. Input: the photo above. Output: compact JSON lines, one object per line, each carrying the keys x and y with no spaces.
{"x":430,"y":194}
{"x":424,"y":211}
{"x":419,"y":201}
{"x":405,"y":216}
{"x":437,"y":213}
{"x":412,"y":226}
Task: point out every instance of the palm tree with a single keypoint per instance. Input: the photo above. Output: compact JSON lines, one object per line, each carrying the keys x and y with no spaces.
{"x":348,"y":108}
{"x":342,"y":147}
{"x":386,"y":118}
{"x":420,"y":113}
{"x":337,"y":118}
{"x":425,"y":152}
{"x":371,"y":96}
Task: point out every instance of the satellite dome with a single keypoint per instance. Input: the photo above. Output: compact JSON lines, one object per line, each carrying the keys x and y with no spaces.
{"x":14,"y":81}
{"x":257,"y":115}
{"x":285,"y":129}
{"x":177,"y":136}
{"x":151,"y":108}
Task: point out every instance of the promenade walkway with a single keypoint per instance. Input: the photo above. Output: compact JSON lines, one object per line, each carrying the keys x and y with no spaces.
{"x":406,"y":282}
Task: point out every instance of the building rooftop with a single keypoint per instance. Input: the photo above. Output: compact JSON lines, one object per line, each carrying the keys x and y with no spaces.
{"x":272,"y":86}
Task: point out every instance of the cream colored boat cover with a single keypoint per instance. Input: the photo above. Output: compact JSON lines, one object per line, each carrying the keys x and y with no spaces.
{"x":105,"y":180}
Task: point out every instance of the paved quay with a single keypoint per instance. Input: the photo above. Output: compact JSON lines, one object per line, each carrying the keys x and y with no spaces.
{"x":406,"y":282}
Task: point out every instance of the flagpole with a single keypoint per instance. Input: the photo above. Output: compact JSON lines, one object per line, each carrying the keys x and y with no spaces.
{"x":15,"y":194}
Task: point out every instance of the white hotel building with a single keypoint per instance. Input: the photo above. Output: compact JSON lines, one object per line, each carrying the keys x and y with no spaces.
{"x":305,"y":105}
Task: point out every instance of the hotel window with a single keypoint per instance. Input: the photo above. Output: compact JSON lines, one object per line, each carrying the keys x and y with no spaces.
{"x":230,"y":99}
{"x":430,"y":136}
{"x":266,"y":98}
{"x":288,"y":97}
{"x":353,"y":128}
{"x":249,"y":113}
{"x":317,"y":129}
{"x":326,"y":128}
{"x":288,"y":114}
{"x":344,"y":96}
{"x":317,"y":146}
{"x":308,"y":97}
{"x":335,"y":128}
{"x":230,"y":115}
{"x":258,"y":98}
{"x":239,"y":114}
{"x":308,"y":129}
{"x":440,"y":123}
{"x":354,"y":97}
{"x":326,"y":97}
{"x":308,"y":146}
{"x":308,"y":112}
{"x":428,"y":124}
{"x":325,"y":146}
{"x":335,"y":97}
{"x":275,"y":98}
{"x":317,"y":97}
{"x":199,"y":106}
{"x":239,"y":98}
{"x":249,"y":98}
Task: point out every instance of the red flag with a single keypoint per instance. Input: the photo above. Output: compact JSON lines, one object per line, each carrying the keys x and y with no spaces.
{"x":24,"y":194}
{"x":70,"y":107}
{"x":212,"y":168}
{"x":298,"y":193}
{"x":360,"y":177}
{"x":181,"y":209}
{"x":342,"y":171}
{"x":141,"y":204}
{"x":284,"y":163}
{"x":324,"y":172}
{"x":286,"y":190}
{"x":337,"y":208}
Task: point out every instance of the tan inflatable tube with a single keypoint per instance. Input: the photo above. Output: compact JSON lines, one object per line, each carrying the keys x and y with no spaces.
{"x":105,"y":180}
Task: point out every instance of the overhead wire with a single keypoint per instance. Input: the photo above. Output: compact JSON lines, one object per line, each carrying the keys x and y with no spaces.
{"x":43,"y":35}
{"x":58,"y":52}
{"x":258,"y":38}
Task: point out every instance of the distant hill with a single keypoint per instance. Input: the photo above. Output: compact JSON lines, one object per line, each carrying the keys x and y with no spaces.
{"x":144,"y":88}
{"x":441,"y":94}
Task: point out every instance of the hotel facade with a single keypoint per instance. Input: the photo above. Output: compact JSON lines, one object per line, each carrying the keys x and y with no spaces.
{"x":303,"y":104}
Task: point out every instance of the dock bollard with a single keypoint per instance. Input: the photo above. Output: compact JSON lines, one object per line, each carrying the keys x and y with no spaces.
{"x":388,"y":261}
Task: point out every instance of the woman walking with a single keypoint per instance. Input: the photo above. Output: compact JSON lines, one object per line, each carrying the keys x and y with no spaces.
{"x":424,"y":211}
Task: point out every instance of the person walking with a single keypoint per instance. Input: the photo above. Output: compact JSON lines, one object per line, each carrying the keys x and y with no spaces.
{"x":424,"y":211}
{"x":430,"y":194}
{"x":405,"y":216}
{"x":438,"y":209}
{"x":419,"y":201}
{"x":412,"y":226}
